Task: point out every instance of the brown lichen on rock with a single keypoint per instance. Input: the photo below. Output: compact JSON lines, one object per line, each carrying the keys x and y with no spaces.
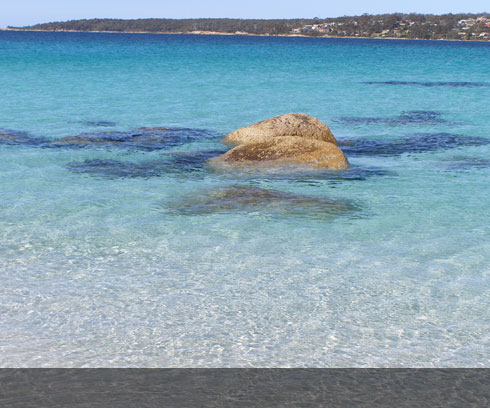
{"x":286,"y":149}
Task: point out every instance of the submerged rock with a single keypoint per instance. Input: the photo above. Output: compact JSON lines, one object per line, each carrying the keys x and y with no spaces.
{"x":142,"y":139}
{"x":9,"y":138}
{"x":154,"y":129}
{"x":417,"y":143}
{"x":357,"y":173}
{"x":19,"y":138}
{"x":246,"y":198}
{"x":119,"y":169}
{"x":192,"y":161}
{"x":286,"y":150}
{"x":466,"y":163}
{"x":291,"y":124}
{"x":99,"y":123}
{"x":406,"y":118}
{"x":455,"y":84}
{"x":178,"y":163}
{"x":93,"y":139}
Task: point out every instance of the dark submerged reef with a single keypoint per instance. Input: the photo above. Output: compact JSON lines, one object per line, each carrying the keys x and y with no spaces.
{"x":429,"y":83}
{"x":192,"y":161}
{"x":119,"y":169}
{"x":147,"y":139}
{"x":240,"y":198}
{"x":466,"y":163}
{"x":99,"y":123}
{"x":178,"y":163}
{"x":357,"y":173}
{"x":417,"y":143}
{"x":19,"y":138}
{"x":405,"y":118}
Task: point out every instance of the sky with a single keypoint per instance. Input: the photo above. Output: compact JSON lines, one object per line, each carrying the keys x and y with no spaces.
{"x":28,"y":12}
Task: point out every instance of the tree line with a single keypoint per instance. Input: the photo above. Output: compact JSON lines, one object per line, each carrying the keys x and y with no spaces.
{"x":161,"y":25}
{"x":421,"y":26}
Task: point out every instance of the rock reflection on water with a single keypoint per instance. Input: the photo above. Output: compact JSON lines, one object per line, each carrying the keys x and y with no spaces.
{"x":305,"y":174}
{"x":241,"y":198}
{"x":358,"y":173}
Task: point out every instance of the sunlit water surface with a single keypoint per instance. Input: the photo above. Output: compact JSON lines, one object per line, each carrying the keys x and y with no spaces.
{"x":134,"y":252}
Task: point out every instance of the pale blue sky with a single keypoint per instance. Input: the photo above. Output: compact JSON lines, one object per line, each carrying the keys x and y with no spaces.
{"x":25,"y":12}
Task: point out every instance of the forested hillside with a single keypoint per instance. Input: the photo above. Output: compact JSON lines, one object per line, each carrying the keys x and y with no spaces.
{"x":416,"y":26}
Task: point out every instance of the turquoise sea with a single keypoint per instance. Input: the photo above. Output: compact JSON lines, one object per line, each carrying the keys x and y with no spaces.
{"x":127,"y":250}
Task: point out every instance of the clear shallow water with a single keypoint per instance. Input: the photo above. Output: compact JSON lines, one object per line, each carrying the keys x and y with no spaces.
{"x":132,"y":255}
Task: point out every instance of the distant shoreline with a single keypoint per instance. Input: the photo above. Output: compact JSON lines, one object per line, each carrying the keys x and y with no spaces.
{"x":239,"y":33}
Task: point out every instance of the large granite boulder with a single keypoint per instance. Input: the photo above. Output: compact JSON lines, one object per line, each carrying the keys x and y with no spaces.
{"x":291,"y":124}
{"x":285,"y":150}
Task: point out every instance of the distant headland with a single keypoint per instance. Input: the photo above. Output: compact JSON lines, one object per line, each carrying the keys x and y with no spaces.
{"x":404,"y":26}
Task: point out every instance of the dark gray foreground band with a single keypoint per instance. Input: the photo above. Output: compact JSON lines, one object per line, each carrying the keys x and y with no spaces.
{"x":77,"y":388}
